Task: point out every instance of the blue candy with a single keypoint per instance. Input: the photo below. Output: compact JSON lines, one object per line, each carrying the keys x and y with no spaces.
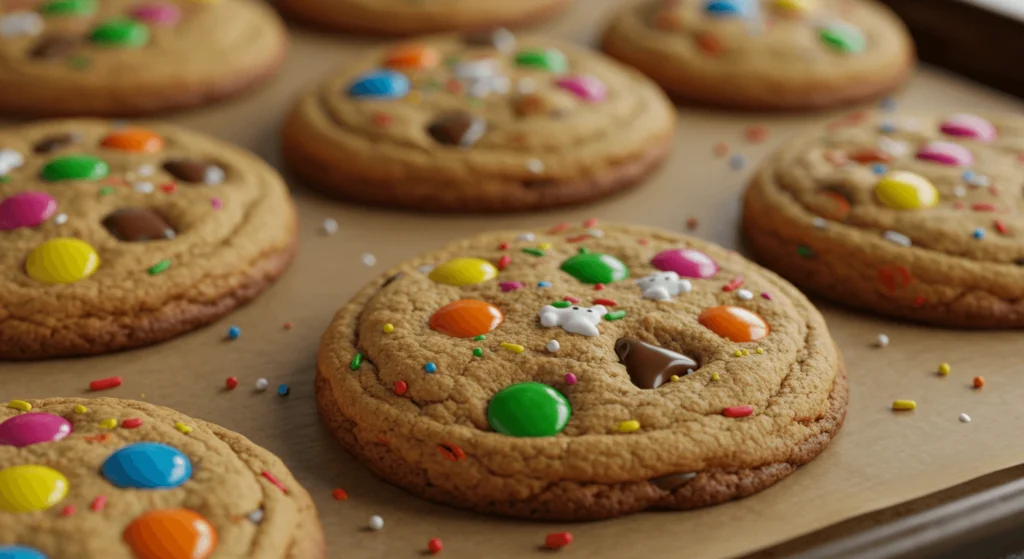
{"x":147,"y":466}
{"x":20,"y":552}
{"x":384,"y":84}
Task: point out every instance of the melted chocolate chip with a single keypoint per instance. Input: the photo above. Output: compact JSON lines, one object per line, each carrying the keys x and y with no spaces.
{"x":672,"y":482}
{"x":135,"y":225}
{"x":500,"y":39}
{"x":195,"y":171}
{"x":53,"y":47}
{"x":57,"y":141}
{"x":458,"y":128}
{"x":650,"y":366}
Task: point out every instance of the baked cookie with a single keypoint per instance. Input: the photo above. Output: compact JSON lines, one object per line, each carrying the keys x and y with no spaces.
{"x":116,"y":236}
{"x":481,"y":122}
{"x":765,"y":54}
{"x":915,"y":217}
{"x":417,"y":17}
{"x":581,"y":374}
{"x":122,"y":479}
{"x":132,"y":57}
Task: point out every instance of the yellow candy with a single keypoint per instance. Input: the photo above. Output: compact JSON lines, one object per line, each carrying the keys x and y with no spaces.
{"x":795,"y":5}
{"x":62,"y":261}
{"x":514,"y":348}
{"x":904,"y":405}
{"x":31,"y":488}
{"x":944,"y":369}
{"x":108,"y":423}
{"x":902,"y":190}
{"x":181,"y":427}
{"x":80,"y":409}
{"x":628,"y":426}
{"x":389,"y":328}
{"x":464,"y":271}
{"x":714,"y":376}
{"x":19,"y":405}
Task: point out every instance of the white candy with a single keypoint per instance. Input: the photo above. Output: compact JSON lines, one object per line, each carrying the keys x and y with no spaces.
{"x":575,"y":320}
{"x":819,"y":222}
{"x":596,"y":233}
{"x":553,"y":346}
{"x":376,"y":523}
{"x":256,"y":516}
{"x":262,"y":384}
{"x":60,"y":219}
{"x":897,"y":238}
{"x":744,"y":294}
{"x":662,"y":286}
{"x":10,"y":160}
{"x":964,"y":418}
{"x":369,"y":259}
{"x":330,"y":226}
{"x":883,"y":340}
{"x":21,"y":23}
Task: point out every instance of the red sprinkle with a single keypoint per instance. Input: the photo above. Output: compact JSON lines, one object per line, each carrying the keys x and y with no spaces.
{"x":720,"y":149}
{"x":503,"y":246}
{"x":451,"y":452}
{"x":598,"y":286}
{"x":401,"y":387}
{"x":709,"y":44}
{"x":382,"y":119}
{"x":570,"y":378}
{"x":231,"y":383}
{"x":958,"y":205}
{"x":692,"y":223}
{"x":983,"y":207}
{"x":577,"y":239}
{"x":733,"y":285}
{"x":435,"y":546}
{"x":105,"y":383}
{"x":559,"y":228}
{"x":756,"y":133}
{"x":101,"y":438}
{"x":572,"y":300}
{"x":99,"y":503}
{"x":605,"y":302}
{"x":643,"y":242}
{"x":1001,"y":227}
{"x":131,"y":423}
{"x":504,"y":261}
{"x":738,"y":411}
{"x":288,"y":325}
{"x":558,"y":540}
{"x":68,"y":510}
{"x":993,"y":190}
{"x":169,"y":187}
{"x":591,"y":222}
{"x":277,"y":483}
{"x":339,"y":494}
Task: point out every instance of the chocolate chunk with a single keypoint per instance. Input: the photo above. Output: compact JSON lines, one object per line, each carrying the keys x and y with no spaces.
{"x":672,"y":482}
{"x":135,"y":225}
{"x":500,"y":39}
{"x":54,"y":47}
{"x":458,"y":128}
{"x":57,"y":141}
{"x":650,"y":366}
{"x":195,"y":171}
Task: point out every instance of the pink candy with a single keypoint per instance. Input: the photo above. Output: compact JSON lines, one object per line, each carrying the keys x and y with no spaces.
{"x":157,"y":13}
{"x":27,"y":209}
{"x":588,"y":88}
{"x":946,"y":153}
{"x":32,"y":428}
{"x":969,"y":126}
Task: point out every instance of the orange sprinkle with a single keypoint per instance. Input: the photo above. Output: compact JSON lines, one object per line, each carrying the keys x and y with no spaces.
{"x":979,"y":382}
{"x":451,"y":452}
{"x":590,"y":222}
{"x":101,"y":438}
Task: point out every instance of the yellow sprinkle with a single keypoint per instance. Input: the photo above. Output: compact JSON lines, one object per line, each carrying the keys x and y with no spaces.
{"x":759,"y":351}
{"x":714,"y":376}
{"x":904,"y":405}
{"x":944,"y":369}
{"x":738,"y":353}
{"x":674,"y":378}
{"x":544,"y":246}
{"x":108,"y":423}
{"x":80,"y":409}
{"x":389,"y":328}
{"x":628,"y":426}
{"x":19,"y":405}
{"x":182,"y":427}
{"x":514,"y":348}
{"x":746,"y":352}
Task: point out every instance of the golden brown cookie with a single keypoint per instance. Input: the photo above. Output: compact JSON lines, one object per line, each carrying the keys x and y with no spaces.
{"x":131,"y":57}
{"x":581,"y":374}
{"x":117,"y":236}
{"x":123,"y":479}
{"x":481,"y":122}
{"x":912,"y":217}
{"x":764,"y":54}
{"x":417,"y":17}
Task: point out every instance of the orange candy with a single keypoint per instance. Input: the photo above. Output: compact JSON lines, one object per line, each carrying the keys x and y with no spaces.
{"x":171,"y":534}
{"x":466,"y":318}
{"x":734,"y":323}
{"x":134,"y":139}
{"x":412,"y":57}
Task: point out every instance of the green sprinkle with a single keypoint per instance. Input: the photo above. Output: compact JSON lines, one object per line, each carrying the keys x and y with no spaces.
{"x":125,"y":33}
{"x":615,"y":315}
{"x":478,"y":352}
{"x":160,"y":267}
{"x":480,"y":338}
{"x":69,"y":8}
{"x":106,"y":190}
{"x":806,"y":252}
{"x":534,"y":251}
{"x":357,"y":360}
{"x":561,"y":304}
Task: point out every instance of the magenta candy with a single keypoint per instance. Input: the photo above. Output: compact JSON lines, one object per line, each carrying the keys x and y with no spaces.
{"x":32,"y":428}
{"x":588,"y":88}
{"x":507,"y":286}
{"x":969,"y":126}
{"x":157,"y":13}
{"x":26,"y":209}
{"x":946,"y":153}
{"x":686,"y":262}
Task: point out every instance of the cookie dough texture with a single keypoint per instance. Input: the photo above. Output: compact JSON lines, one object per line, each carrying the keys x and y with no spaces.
{"x":232,"y":240}
{"x":211,"y":50}
{"x":543,"y":146}
{"x":592,"y":469}
{"x":226,"y":486}
{"x":417,"y":17}
{"x":812,"y":213}
{"x":774,"y":59}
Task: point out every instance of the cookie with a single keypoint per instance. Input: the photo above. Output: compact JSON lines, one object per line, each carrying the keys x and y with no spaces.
{"x":765,"y":54}
{"x":417,"y":17}
{"x":129,"y":58}
{"x":117,"y":236}
{"x":915,"y":217}
{"x":581,"y":374}
{"x":123,"y":479}
{"x":481,"y":122}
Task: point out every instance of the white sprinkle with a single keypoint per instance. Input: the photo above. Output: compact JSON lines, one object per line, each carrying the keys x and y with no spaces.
{"x":882,"y":341}
{"x":820,"y":222}
{"x":60,"y":219}
{"x":960,"y":191}
{"x":897,"y":238}
{"x":979,"y":180}
{"x":214,"y":175}
{"x":528,"y":237}
{"x":256,"y":516}
{"x":426,"y":268}
{"x":21,"y":23}
{"x":526,"y":85}
{"x":330,"y":226}
{"x":146,"y":170}
{"x":376,"y":523}
{"x":535,"y":165}
{"x":596,"y":233}
{"x":262,"y":384}
{"x":553,"y":346}
{"x":369,"y":259}
{"x":144,"y":187}
{"x":10,"y":160}
{"x":744,"y":294}
{"x":964,"y":418}
{"x":475,"y":69}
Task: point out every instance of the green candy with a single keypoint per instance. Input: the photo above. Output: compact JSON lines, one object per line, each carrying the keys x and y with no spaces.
{"x":529,"y":409}
{"x":595,"y":268}
{"x":551,"y":60}
{"x":69,"y":8}
{"x":75,"y":168}
{"x":615,"y":315}
{"x":561,"y":304}
{"x":844,"y":38}
{"x":121,"y":33}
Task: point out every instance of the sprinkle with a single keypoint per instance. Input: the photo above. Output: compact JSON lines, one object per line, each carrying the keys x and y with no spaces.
{"x":534,"y":251}
{"x":590,"y":222}
{"x":131,"y":423}
{"x":553,"y":346}
{"x":80,"y":409}
{"x":169,"y":188}
{"x":964,"y":418}
{"x":231,"y":383}
{"x":744,"y":294}
{"x":160,"y":267}
{"x":959,"y":192}
{"x":451,"y":452}
{"x":479,"y":338}
{"x":108,"y":423}
{"x":766,"y":296}
{"x":356,"y":361}
{"x":504,"y":261}
{"x":904,"y":405}
{"x":737,"y":162}
{"x":104,"y":384}
{"x":578,"y":238}
{"x":897,"y":238}
{"x":978,"y":233}
{"x":879,"y":169}
{"x":234,"y":332}
{"x":745,"y":352}
{"x":882,"y":341}
{"x":527,"y":237}
{"x":434,"y":546}
{"x":559,"y":228}
{"x":514,"y":348}
{"x":277,"y":483}
{"x":430,"y":367}
{"x":401,"y":387}
{"x":256,"y":516}
{"x":503,"y":246}
{"x":382,"y":119}
{"x":615,"y":315}
{"x":804,"y":251}
{"x":715,"y":376}
{"x":570,"y":299}
{"x":605,"y":302}
{"x":369,"y":259}
{"x":106,"y":190}
{"x":983,"y":207}
{"x":143,"y":187}
{"x":535,"y":166}
{"x":376,"y":523}
{"x":102,"y":437}
{"x":756,"y":133}
{"x":819,"y":222}
{"x":570,"y":379}
{"x":68,"y":510}
{"x":558,"y":540}
{"x":733,"y":285}
{"x":388,"y":328}
{"x":507,"y":286}
{"x":738,"y":411}
{"x":19,"y":405}
{"x":216,"y":203}
{"x":182,"y":428}
{"x":692,"y":223}
{"x":628,"y":426}
{"x":283,"y":390}
{"x":543,"y":284}
{"x":478,"y":352}
{"x":330,"y":226}
{"x":944,"y":369}
{"x":598,"y":286}
{"x":979,"y":382}
{"x":738,"y":353}
{"x":674,"y":378}
{"x":709,"y":43}
{"x":596,"y":233}
{"x":61,"y":219}
{"x":1000,"y":226}
{"x":339,"y":494}
{"x":887,"y":127}
{"x":98,"y":504}
{"x":261,"y":384}
{"x":759,"y":351}
{"x":544,"y":246}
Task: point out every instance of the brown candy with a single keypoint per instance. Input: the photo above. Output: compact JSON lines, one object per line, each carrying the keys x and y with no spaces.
{"x":57,"y":141}
{"x":195,"y":171}
{"x":650,"y":366}
{"x":54,"y":47}
{"x":135,"y":225}
{"x":458,"y":128}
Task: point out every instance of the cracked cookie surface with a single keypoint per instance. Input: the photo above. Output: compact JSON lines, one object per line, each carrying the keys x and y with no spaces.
{"x":479,"y":376}
{"x":113,"y":478}
{"x":911,"y":216}
{"x":118,"y":236}
{"x":480,"y":122}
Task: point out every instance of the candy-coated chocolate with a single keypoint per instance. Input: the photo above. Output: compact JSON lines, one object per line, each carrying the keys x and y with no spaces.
{"x":587,"y":88}
{"x":466,"y":318}
{"x":123,"y":33}
{"x":946,"y":153}
{"x":147,"y":465}
{"x":30,"y":488}
{"x":171,"y":534}
{"x":62,"y":260}
{"x":75,"y":167}
{"x":687,"y":262}
{"x":382,"y":84}
{"x":969,"y":126}
{"x":33,"y":428}
{"x":20,"y":552}
{"x":133,"y":139}
{"x":734,"y":323}
{"x":551,"y":60}
{"x":903,"y":190}
{"x":464,"y":271}
{"x":592,"y":268}
{"x":412,"y":57}
{"x":26,"y":209}
{"x":529,"y":409}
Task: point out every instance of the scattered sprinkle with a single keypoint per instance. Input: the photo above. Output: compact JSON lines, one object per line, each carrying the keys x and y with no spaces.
{"x":692,"y":223}
{"x":1000,"y":226}
{"x":283,"y":390}
{"x":720,"y":149}
{"x":879,"y":169}
{"x":733,"y":285}
{"x":106,"y":191}
{"x":376,"y":523}
{"x":108,"y":423}
{"x":388,"y":328}
{"x":615,"y":315}
{"x":68,"y":510}
{"x":272,"y":479}
{"x":504,"y":261}
{"x":61,"y":219}
{"x":401,"y":387}
{"x":19,"y":405}
{"x":904,"y":405}
{"x":216,"y":203}
{"x":105,"y":383}
{"x":737,"y":162}
{"x":964,"y":418}
{"x":369,"y":259}
{"x":80,"y":409}
{"x":131,"y":423}
{"x":256,"y":516}
{"x":738,"y":411}
{"x":160,"y":267}
{"x":534,"y":251}
{"x":535,"y":166}
{"x":715,"y":376}
{"x":590,"y":222}
{"x":744,"y":294}
{"x":944,"y":369}
{"x":553,"y":346}
{"x":478,"y":352}
{"x":434,"y":546}
{"x":738,"y":353}
{"x":805,"y":251}
{"x":979,"y":382}
{"x":960,"y":191}
{"x":514,"y":348}
{"x":570,"y":379}
{"x":430,"y":367}
{"x":231,"y":383}
{"x":819,"y":222}
{"x":756,"y":134}
{"x":543,"y":284}
{"x":479,"y":338}
{"x":674,"y":378}
{"x":558,"y":540}
{"x":544,"y":246}
{"x":98,"y":504}
{"x":356,"y":361}
{"x":882,"y":341}
{"x":897,"y":238}
{"x":978,"y":233}
{"x":571,"y":299}
{"x":526,"y":237}
{"x":766,"y":296}
{"x":628,"y":426}
{"x":339,"y":494}
{"x":143,"y":187}
{"x":234,"y":332}
{"x":605,"y":302}
{"x":330,"y":226}
{"x":759,"y":351}
{"x":262,"y":384}
{"x":182,"y":428}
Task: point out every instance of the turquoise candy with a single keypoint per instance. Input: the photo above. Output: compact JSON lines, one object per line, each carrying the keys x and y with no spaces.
{"x":529,"y":409}
{"x":147,"y":466}
{"x":382,"y":84}
{"x":551,"y":60}
{"x":590,"y":267}
{"x":844,"y":38}
{"x":75,"y":167}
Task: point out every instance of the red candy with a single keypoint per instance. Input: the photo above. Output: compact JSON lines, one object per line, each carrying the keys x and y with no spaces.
{"x":558,"y":540}
{"x":104,"y":384}
{"x":504,"y":261}
{"x":131,"y":423}
{"x":738,"y":411}
{"x":435,"y":546}
{"x":401,"y":387}
{"x":231,"y":383}
{"x":339,"y":494}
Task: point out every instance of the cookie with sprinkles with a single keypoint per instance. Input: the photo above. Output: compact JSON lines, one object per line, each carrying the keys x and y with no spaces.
{"x":417,"y":17}
{"x":114,"y":236}
{"x":124,"y":479}
{"x":480,"y":122}
{"x":765,"y":54}
{"x":915,"y":217}
{"x":132,"y":57}
{"x":581,"y":373}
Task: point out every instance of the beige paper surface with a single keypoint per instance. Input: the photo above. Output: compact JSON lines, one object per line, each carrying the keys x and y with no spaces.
{"x":880,"y":458}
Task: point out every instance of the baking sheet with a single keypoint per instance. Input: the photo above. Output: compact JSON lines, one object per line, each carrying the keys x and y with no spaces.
{"x":878,"y":459}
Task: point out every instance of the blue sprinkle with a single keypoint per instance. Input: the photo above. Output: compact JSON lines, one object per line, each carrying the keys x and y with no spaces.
{"x":430,"y":367}
{"x":543,"y":284}
{"x":234,"y":332}
{"x":887,"y":127}
{"x":969,"y":175}
{"x":283,"y":390}
{"x":879,"y":169}
{"x":888,"y":104}
{"x":737,"y":162}
{"x":979,"y":233}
